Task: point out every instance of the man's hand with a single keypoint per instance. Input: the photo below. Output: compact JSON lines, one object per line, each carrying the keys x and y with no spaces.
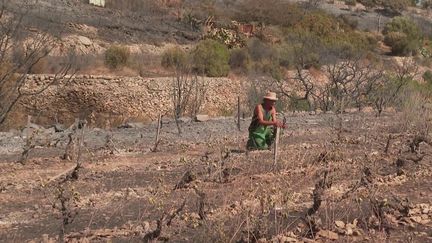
{"x":279,"y":124}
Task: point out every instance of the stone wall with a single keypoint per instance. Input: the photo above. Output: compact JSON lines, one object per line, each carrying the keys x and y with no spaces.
{"x":108,"y":99}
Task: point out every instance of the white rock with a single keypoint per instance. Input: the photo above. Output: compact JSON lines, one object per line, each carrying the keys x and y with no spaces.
{"x":85,"y":41}
{"x":202,"y":118}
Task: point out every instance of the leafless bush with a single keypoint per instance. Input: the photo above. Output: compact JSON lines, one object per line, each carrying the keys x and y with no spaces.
{"x":165,"y":220}
{"x":66,"y":202}
{"x":188,"y":90}
{"x":416,"y":112}
{"x":347,"y":83}
{"x":20,"y":52}
{"x":386,"y":91}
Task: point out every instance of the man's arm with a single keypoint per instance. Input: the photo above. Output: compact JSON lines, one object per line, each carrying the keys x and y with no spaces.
{"x":260,"y":116}
{"x":277,"y":123}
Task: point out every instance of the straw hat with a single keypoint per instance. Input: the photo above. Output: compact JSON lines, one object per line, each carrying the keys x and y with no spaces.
{"x":270,"y":96}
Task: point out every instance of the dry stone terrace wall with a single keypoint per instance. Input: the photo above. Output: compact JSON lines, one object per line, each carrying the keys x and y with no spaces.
{"x":119,"y":99}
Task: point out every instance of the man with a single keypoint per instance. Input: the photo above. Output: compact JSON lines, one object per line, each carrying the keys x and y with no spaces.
{"x":263,"y":123}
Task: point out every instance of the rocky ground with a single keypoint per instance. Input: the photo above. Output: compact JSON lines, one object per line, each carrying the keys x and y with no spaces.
{"x":367,"y":180}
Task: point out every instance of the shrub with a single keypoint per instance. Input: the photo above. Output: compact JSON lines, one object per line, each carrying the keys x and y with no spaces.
{"x":350,"y":2}
{"x":402,"y":35}
{"x":396,"y":6}
{"x":240,"y":60}
{"x":427,"y":4}
{"x":347,"y":20}
{"x":174,"y":58}
{"x":116,"y":56}
{"x":270,"y":12}
{"x":259,"y":50}
{"x":427,"y":76}
{"x":303,"y":49}
{"x":391,"y":6}
{"x":211,"y":58}
{"x":368,"y":3}
{"x":320,"y":23}
{"x":298,"y":104}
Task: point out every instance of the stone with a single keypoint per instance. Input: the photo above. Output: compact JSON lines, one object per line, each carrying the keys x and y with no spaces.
{"x":132,"y":125}
{"x":35,"y":126}
{"x":349,"y":231}
{"x":50,"y":130}
{"x":284,"y":239}
{"x":201,"y":118}
{"x":328,"y":234}
{"x":340,"y":224}
{"x":357,"y":232}
{"x":425,"y":222}
{"x":184,"y":120}
{"x":59,"y":127}
{"x":194,"y":216}
{"x":416,"y":219}
{"x":85,"y":41}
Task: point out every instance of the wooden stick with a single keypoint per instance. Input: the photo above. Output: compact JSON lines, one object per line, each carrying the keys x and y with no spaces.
{"x":157,"y":132}
{"x":63,"y":173}
{"x":29,"y":118}
{"x":276,"y":147}
{"x":238,"y":113}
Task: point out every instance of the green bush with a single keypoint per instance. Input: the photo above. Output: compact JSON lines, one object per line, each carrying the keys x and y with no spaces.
{"x":402,"y":35}
{"x":174,"y":58}
{"x":427,"y":76}
{"x":333,"y":33}
{"x":211,"y":58}
{"x":116,"y":56}
{"x":391,"y":6}
{"x":396,"y":6}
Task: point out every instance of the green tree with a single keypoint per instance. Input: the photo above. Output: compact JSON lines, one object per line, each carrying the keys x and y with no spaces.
{"x":211,"y":58}
{"x":402,"y":35}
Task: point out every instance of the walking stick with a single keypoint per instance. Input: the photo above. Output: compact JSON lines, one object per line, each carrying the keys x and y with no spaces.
{"x":276,"y":147}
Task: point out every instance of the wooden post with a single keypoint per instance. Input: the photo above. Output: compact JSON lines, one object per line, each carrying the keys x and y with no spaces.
{"x":238,"y":113}
{"x":159,"y":122}
{"x":379,"y":23}
{"x":276,"y":147}
{"x":28,"y":126}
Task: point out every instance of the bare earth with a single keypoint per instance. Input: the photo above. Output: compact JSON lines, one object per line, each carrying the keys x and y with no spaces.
{"x":323,"y":188}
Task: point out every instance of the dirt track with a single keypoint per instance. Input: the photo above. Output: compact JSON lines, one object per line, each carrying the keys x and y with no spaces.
{"x":233,"y":195}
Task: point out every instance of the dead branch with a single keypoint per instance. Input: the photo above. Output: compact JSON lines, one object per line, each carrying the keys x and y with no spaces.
{"x":165,"y":219}
{"x":201,"y":204}
{"x":416,"y":141}
{"x":388,"y":143}
{"x":157,"y":138}
{"x":174,"y":213}
{"x":187,"y":178}
{"x":70,"y":174}
{"x":18,"y":56}
{"x":320,"y":187}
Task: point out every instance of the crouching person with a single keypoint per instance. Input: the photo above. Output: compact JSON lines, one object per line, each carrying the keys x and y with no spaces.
{"x":264,"y":122}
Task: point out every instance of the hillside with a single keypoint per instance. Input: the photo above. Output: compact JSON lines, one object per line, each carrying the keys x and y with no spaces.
{"x":129,"y":122}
